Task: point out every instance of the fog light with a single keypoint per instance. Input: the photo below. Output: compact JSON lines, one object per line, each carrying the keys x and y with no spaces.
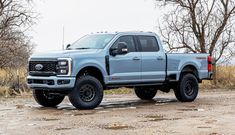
{"x":61,"y":82}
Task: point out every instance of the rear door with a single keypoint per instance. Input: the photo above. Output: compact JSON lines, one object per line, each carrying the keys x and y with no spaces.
{"x":153,"y":62}
{"x":125,"y":68}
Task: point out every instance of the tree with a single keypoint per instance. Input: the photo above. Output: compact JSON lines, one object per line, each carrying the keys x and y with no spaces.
{"x":16,"y":17}
{"x":199,"y":26}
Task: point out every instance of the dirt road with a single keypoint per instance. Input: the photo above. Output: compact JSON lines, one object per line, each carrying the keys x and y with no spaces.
{"x":213,"y":113}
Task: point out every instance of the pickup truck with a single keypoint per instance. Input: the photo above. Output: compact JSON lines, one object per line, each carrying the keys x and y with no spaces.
{"x":104,"y":61}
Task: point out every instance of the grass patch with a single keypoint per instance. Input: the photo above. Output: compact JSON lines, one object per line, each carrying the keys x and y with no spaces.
{"x":225,"y":79}
{"x":8,"y":92}
{"x":4,"y":91}
{"x":119,"y":91}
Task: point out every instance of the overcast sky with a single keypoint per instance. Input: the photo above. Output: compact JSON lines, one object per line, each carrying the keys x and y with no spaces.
{"x":80,"y":17}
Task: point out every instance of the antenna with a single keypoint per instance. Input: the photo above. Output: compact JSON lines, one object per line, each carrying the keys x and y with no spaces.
{"x":63,"y":39}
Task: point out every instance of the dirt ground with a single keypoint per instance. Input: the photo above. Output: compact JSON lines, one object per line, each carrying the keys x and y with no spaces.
{"x":212,"y":113}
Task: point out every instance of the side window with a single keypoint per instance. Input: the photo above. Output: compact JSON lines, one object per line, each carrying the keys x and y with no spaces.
{"x":148,"y":44}
{"x":128,"y":40}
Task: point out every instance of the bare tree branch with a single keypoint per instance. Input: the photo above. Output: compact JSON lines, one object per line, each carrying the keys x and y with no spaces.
{"x":199,"y":26}
{"x":15,"y":19}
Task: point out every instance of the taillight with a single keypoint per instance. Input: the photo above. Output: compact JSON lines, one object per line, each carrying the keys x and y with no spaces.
{"x":209,"y":59}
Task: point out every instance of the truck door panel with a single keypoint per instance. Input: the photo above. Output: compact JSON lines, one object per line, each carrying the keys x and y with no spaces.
{"x":125,"y":68}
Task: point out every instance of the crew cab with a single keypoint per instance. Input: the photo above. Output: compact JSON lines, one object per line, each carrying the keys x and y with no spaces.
{"x":104,"y":61}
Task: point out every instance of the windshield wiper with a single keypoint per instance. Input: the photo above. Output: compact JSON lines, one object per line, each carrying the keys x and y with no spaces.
{"x":83,"y":48}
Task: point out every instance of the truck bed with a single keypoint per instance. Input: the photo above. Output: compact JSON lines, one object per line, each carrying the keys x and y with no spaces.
{"x":177,"y":61}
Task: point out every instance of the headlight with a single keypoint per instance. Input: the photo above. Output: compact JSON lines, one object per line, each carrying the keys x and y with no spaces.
{"x":63,"y":63}
{"x":64,"y":66}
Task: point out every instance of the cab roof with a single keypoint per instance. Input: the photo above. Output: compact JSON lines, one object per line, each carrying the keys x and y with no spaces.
{"x":128,"y":33}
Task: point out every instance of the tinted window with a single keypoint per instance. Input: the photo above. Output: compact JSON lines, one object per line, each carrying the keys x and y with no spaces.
{"x":148,"y":43}
{"x":128,"y":40}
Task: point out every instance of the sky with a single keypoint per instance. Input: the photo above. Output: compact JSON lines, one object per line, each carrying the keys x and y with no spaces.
{"x":81,"y":17}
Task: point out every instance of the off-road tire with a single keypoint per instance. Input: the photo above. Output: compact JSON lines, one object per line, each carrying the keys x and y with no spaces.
{"x":187,"y":88}
{"x":45,"y":99}
{"x":87,"y":93}
{"x":145,"y":93}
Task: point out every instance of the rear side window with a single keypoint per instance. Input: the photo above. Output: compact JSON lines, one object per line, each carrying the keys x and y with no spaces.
{"x":148,"y":44}
{"x":128,"y":40}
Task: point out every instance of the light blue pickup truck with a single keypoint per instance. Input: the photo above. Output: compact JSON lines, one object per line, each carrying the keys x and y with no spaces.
{"x":103,"y":61}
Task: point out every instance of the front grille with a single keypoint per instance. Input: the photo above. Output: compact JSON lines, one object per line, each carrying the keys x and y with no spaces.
{"x":48,"y":69}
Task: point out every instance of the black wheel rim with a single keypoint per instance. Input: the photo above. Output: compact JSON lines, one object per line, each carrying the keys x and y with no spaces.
{"x":87,"y":93}
{"x":189,"y":88}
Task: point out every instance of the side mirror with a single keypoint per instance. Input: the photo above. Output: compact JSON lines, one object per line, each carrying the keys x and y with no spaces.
{"x":67,"y":47}
{"x":121,"y":49}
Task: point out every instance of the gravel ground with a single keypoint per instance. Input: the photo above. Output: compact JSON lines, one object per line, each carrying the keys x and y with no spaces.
{"x":212,"y":113}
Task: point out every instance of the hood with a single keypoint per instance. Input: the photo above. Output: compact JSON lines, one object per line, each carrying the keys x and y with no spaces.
{"x":65,"y":53}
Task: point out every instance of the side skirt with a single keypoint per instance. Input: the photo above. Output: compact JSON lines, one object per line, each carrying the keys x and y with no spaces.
{"x":135,"y":84}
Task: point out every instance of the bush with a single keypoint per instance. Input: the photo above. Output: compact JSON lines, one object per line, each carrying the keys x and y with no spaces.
{"x":13,"y":83}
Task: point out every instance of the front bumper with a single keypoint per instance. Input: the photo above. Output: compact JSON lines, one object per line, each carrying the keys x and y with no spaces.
{"x":51,"y":82}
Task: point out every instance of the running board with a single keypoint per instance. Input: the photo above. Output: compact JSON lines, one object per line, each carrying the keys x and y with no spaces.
{"x":134,"y":84}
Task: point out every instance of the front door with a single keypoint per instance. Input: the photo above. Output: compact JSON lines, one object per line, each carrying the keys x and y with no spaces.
{"x":125,"y":68}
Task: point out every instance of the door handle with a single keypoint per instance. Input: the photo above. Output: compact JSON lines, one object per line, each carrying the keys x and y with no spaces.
{"x":136,"y":58}
{"x":159,"y":58}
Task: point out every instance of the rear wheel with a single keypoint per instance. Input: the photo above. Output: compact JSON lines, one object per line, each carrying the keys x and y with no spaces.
{"x":145,"y":93}
{"x":87,"y":94}
{"x":46,"y":99}
{"x":187,"y":88}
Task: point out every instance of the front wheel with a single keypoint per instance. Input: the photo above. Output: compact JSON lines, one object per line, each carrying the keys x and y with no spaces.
{"x":145,"y":93}
{"x":46,"y":99}
{"x":87,"y":94}
{"x":187,"y":88}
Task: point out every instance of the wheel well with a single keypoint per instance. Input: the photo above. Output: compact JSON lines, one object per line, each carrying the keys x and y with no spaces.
{"x":92,"y":71}
{"x":190,"y":69}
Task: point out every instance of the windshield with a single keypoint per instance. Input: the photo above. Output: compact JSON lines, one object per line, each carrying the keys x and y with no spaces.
{"x":92,"y":42}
